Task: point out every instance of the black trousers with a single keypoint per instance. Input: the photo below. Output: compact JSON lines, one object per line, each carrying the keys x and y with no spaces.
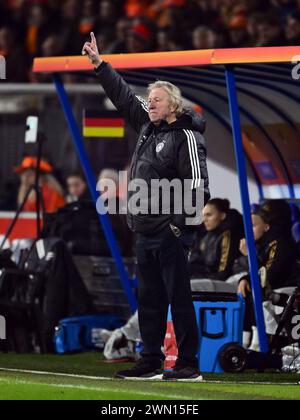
{"x":164,"y":280}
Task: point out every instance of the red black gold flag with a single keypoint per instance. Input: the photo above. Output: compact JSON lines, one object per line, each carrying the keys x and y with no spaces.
{"x":103,"y":124}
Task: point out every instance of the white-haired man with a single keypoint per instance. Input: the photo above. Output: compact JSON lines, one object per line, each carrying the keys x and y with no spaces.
{"x":170,"y":147}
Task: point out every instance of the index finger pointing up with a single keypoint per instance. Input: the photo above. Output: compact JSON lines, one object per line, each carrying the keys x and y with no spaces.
{"x":93,"y":38}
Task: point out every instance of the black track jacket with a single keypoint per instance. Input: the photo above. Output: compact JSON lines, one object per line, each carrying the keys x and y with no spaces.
{"x":175,"y":151}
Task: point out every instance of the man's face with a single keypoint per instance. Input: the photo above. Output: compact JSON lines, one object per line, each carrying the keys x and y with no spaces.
{"x":159,"y":106}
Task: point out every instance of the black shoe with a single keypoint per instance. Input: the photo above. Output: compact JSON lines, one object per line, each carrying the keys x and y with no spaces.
{"x":183,"y":373}
{"x":142,"y":370}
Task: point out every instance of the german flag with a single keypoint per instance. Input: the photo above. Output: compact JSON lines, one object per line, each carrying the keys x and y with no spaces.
{"x":109,"y":124}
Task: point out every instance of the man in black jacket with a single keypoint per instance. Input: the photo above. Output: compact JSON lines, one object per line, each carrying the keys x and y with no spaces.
{"x":170,"y":147}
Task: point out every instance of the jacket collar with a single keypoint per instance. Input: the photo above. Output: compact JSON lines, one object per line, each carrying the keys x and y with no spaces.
{"x":188,"y":120}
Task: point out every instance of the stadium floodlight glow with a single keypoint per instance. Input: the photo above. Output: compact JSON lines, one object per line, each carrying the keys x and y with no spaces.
{"x":2,"y":328}
{"x":2,"y":68}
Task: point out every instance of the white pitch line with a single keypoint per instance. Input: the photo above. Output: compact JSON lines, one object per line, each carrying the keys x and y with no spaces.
{"x":67,"y":375}
{"x":252,"y":383}
{"x":100,"y":389}
{"x":105,"y":378}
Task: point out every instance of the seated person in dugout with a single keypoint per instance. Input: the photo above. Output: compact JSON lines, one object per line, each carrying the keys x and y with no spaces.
{"x":77,"y":187}
{"x":240,"y":267}
{"x":216,"y":245}
{"x":277,"y":258}
{"x":118,"y":221}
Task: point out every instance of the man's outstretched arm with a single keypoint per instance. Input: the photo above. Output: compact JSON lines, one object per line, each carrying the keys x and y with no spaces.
{"x":134,"y":108}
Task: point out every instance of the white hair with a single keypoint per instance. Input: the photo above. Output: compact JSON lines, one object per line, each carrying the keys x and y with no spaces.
{"x":173,"y":91}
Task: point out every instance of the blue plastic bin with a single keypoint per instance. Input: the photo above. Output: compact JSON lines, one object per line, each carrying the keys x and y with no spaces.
{"x":221,"y":320}
{"x":220,"y":317}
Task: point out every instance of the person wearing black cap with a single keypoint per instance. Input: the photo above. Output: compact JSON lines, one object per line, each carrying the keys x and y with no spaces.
{"x":276,"y":252}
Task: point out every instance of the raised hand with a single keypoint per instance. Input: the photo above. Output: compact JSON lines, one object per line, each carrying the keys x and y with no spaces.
{"x":90,"y":49}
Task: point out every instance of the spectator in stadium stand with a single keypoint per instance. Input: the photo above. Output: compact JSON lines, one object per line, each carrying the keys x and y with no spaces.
{"x":216,"y":245}
{"x":203,"y":38}
{"x":277,"y":255}
{"x":52,"y":192}
{"x":136,"y":8}
{"x":107,"y":40}
{"x":204,"y":13}
{"x":292,"y":28}
{"x":253,"y":21}
{"x":16,"y":69}
{"x":164,"y":41}
{"x":269,"y":23}
{"x":161,"y":254}
{"x":51,"y":47}
{"x":87,"y":21}
{"x":220,"y":37}
{"x":174,"y":17}
{"x":269,"y":33}
{"x":139,"y":39}
{"x":109,"y":14}
{"x":284,"y":7}
{"x":119,"y":43}
{"x":70,"y":38}
{"x":238,"y":34}
{"x":77,"y":187}
{"x":39,"y":27}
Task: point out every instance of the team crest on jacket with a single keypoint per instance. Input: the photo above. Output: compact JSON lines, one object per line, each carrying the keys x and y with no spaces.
{"x":159,"y":147}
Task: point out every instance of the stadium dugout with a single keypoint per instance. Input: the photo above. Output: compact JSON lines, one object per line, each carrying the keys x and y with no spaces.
{"x":264,"y":122}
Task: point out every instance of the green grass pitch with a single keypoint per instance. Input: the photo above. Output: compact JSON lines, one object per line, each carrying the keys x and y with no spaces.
{"x":87,"y":377}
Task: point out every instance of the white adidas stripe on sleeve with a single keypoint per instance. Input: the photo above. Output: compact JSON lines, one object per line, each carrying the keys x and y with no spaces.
{"x":195,"y":164}
{"x":143,"y":103}
{"x":197,"y":159}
